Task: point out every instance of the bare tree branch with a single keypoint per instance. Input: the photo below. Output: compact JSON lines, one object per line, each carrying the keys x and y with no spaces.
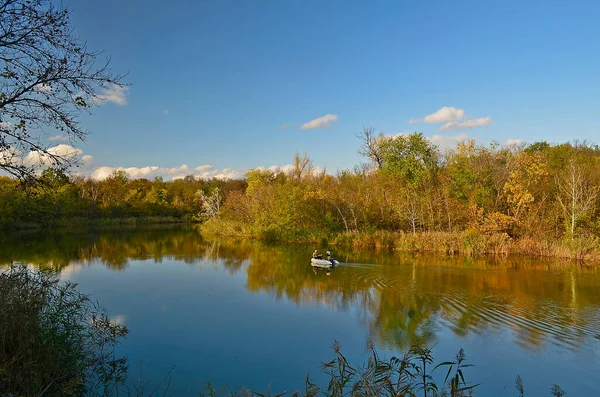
{"x":47,"y":78}
{"x":371,"y":146}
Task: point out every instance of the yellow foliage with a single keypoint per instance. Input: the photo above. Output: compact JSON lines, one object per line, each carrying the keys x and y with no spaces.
{"x":497,"y":222}
{"x":529,"y":169}
{"x":491,"y":223}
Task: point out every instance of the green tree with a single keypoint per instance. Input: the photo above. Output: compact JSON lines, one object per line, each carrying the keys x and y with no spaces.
{"x":113,"y":188}
{"x":415,"y":161}
{"x":412,"y":157}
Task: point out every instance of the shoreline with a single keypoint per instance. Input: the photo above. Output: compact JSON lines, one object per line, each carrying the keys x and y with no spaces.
{"x":582,"y":249}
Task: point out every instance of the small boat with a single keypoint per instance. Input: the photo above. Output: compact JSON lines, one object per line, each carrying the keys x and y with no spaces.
{"x":323,"y":262}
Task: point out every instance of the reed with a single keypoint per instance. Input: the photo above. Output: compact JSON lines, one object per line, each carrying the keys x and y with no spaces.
{"x":54,"y":340}
{"x":469,"y":242}
{"x":415,"y":374}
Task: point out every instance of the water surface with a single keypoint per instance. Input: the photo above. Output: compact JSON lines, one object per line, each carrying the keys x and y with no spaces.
{"x":248,"y":314}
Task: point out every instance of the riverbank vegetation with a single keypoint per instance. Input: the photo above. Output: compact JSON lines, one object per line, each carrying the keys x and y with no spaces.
{"x":56,"y":199}
{"x":54,"y":341}
{"x":538,"y":199}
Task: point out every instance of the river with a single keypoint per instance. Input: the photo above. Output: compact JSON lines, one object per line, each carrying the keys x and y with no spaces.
{"x":248,"y":314}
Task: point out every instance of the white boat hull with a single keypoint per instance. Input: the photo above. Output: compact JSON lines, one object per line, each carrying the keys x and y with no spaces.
{"x":323,"y":262}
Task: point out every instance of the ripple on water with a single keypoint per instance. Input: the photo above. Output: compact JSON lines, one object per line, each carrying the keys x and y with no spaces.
{"x":532,"y":324}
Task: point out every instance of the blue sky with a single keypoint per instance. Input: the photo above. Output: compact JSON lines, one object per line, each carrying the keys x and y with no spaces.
{"x":232,"y":73}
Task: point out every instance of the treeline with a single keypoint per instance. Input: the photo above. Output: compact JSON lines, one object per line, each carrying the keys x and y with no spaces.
{"x":57,"y":199}
{"x":539,"y":198}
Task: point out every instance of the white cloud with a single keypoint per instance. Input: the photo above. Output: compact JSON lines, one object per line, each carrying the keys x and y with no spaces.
{"x":115,"y":94}
{"x":454,"y":118}
{"x":468,"y":123}
{"x":445,"y":140}
{"x":445,"y":114}
{"x":64,"y":150}
{"x":119,"y":319}
{"x":133,"y":172}
{"x":86,"y":160}
{"x":320,"y":122}
{"x":36,"y":158}
{"x":9,"y":155}
{"x":166,"y":112}
{"x":287,"y":169}
{"x":59,"y":138}
{"x":514,"y":143}
{"x":150,"y":172}
{"x":207,"y":171}
{"x":397,"y":134}
{"x":45,"y":88}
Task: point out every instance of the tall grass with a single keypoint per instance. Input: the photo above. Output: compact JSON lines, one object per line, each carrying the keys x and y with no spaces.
{"x":468,"y":242}
{"x":411,"y":376}
{"x":415,"y":374}
{"x":54,"y":340}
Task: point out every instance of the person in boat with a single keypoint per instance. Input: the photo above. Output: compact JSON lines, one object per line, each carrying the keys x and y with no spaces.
{"x":316,"y":255}
{"x":328,"y":255}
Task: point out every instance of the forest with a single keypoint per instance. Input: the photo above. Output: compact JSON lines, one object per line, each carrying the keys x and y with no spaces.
{"x":538,"y":199}
{"x":56,"y":199}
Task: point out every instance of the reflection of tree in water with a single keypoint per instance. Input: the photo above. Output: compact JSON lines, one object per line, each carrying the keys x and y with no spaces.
{"x":232,"y":257}
{"x":406,"y":298}
{"x":403,"y":299}
{"x":116,"y":249}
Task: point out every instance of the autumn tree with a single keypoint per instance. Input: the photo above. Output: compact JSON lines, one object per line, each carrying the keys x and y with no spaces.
{"x":48,"y":76}
{"x":113,"y":188}
{"x":522,"y":189}
{"x":302,"y":167}
{"x":415,"y":160}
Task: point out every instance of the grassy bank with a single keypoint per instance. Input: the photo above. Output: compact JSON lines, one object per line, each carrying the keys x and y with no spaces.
{"x":469,"y":242}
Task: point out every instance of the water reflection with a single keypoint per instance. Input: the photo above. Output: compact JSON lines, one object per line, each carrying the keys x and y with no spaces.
{"x":401,"y":298}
